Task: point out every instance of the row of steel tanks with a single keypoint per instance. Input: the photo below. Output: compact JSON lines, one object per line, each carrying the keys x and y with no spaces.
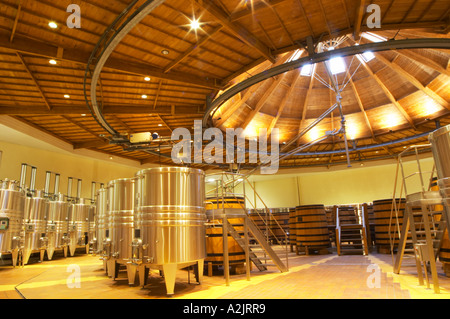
{"x":35,"y":221}
{"x":155,"y":220}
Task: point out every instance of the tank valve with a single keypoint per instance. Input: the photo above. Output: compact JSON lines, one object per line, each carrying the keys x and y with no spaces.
{"x":136,"y":251}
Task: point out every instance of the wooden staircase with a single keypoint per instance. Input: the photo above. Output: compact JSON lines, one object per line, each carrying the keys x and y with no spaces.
{"x":351,"y":235}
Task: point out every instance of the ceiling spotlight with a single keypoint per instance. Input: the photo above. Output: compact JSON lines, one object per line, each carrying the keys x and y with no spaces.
{"x":165,"y":52}
{"x":147,"y":78}
{"x":52,"y":25}
{"x":83,"y":114}
{"x":110,"y":157}
{"x":67,"y":96}
{"x":195,"y":24}
{"x":144,"y":96}
{"x":159,"y":124}
{"x":52,"y":62}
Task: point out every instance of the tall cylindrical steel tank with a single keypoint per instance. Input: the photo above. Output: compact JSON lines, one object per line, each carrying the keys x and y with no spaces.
{"x":79,"y":225}
{"x":170,"y":220}
{"x":440,"y":146}
{"x":101,"y":198}
{"x":12,"y":208}
{"x":121,"y":224}
{"x":58,"y":226}
{"x":36,"y":214}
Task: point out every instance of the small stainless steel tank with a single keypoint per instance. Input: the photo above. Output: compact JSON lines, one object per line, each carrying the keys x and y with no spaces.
{"x":79,"y":226}
{"x":12,"y":207}
{"x":169,"y":221}
{"x":58,"y":226}
{"x":121,"y":224}
{"x":36,"y":240}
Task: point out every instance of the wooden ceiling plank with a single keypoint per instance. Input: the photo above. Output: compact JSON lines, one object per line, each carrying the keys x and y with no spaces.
{"x":34,"y":80}
{"x":283,"y":102}
{"x":34,"y":47}
{"x":389,"y":94}
{"x":235,"y":28}
{"x":263,"y":100}
{"x":433,"y":95}
{"x":423,"y":60}
{"x":189,"y":51}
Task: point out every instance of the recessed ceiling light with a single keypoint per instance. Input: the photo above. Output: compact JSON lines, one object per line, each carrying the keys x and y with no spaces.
{"x":147,"y":78}
{"x":195,"y":24}
{"x":52,"y":25}
{"x":159,"y":124}
{"x":52,"y":62}
{"x":165,"y":52}
{"x":144,"y":96}
{"x":83,"y":114}
{"x":67,"y":96}
{"x":110,"y":157}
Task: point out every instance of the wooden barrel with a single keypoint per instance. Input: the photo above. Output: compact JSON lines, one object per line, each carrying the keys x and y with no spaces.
{"x":312,"y":227}
{"x":214,"y":232}
{"x":261,"y":218}
{"x":292,"y":226}
{"x":384,"y":224}
{"x":444,"y":252}
{"x":279,"y":224}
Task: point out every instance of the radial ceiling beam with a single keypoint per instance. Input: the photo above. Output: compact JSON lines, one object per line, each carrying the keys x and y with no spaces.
{"x":305,"y":104}
{"x":389,"y":95}
{"x":283,"y":103}
{"x":360,"y":10}
{"x":262,"y":101}
{"x":235,"y":28}
{"x":433,"y":95}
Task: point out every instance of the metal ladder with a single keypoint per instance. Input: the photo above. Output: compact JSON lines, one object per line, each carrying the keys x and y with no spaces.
{"x":423,"y":225}
{"x":351,"y":237}
{"x":261,"y":252}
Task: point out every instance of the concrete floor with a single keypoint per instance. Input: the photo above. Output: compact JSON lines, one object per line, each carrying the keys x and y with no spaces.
{"x":310,"y":277}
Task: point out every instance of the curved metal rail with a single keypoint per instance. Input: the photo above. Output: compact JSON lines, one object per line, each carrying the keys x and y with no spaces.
{"x":429,"y":43}
{"x":113,"y":35}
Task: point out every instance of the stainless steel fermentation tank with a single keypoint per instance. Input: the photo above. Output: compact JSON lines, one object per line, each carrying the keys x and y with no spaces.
{"x":79,"y":225}
{"x":120,"y":207}
{"x":58,"y":226}
{"x":440,"y":146}
{"x":12,"y":207}
{"x":169,"y":223}
{"x":35,"y":224}
{"x":100,"y":222}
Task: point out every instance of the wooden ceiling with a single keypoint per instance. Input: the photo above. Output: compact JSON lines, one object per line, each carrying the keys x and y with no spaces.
{"x":236,"y":38}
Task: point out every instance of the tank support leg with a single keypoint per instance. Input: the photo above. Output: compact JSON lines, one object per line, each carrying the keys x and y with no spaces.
{"x":131,"y":273}
{"x":198,"y":270}
{"x":14,"y":256}
{"x":170,"y":271}
{"x":143,"y":275}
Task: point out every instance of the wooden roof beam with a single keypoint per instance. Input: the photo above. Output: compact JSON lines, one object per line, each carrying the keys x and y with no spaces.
{"x":38,"y":48}
{"x":305,"y":105}
{"x":16,"y":20}
{"x":235,"y":28}
{"x":283,"y":103}
{"x":389,"y":94}
{"x":262,"y":100}
{"x":360,"y":10}
{"x":433,"y":95}
{"x":107,"y":109}
{"x":34,"y":80}
{"x":189,"y":51}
